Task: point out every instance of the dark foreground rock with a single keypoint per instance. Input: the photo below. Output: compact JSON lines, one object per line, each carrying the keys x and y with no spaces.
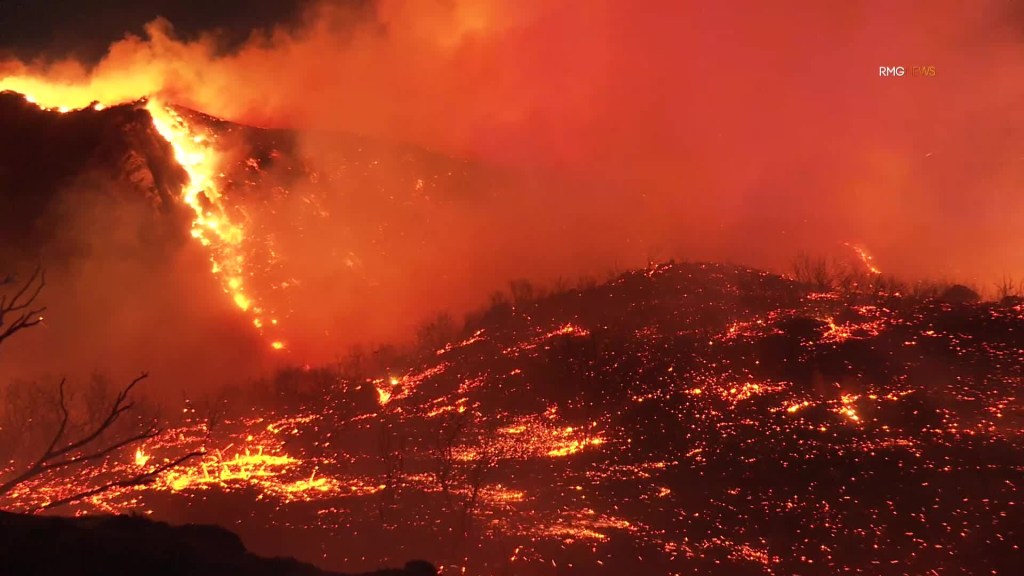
{"x":130,"y":545}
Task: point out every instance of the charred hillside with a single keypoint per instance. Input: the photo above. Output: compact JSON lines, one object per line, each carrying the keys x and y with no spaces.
{"x":686,"y":417}
{"x":732,"y":421}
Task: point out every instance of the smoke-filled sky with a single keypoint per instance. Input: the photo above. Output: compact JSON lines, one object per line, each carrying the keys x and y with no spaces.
{"x":760,"y":127}
{"x":741,"y":130}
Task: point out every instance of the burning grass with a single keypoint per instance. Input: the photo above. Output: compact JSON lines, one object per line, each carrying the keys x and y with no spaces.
{"x":725,"y":433}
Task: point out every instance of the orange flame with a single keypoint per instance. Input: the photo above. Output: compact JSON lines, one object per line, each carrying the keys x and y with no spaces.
{"x":865,"y":258}
{"x":141,"y":458}
{"x":212,"y":225}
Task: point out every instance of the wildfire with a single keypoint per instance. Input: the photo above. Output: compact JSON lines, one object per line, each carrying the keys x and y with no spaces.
{"x":545,"y":474}
{"x":865,"y":258}
{"x":535,"y":436}
{"x":141,"y":458}
{"x":574,"y":446}
{"x":383,"y":396}
{"x":794,"y":408}
{"x":849,"y":407}
{"x":212,"y":224}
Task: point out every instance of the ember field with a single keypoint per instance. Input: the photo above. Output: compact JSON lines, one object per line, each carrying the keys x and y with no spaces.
{"x":684,"y":419}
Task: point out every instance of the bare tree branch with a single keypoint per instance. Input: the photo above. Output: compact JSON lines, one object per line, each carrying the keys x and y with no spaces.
{"x":57,"y":457}
{"x":448,"y":434}
{"x":62,"y":403}
{"x":149,"y":433}
{"x":119,"y":407}
{"x":61,"y":452}
{"x":21,"y":306}
{"x":128,"y":482}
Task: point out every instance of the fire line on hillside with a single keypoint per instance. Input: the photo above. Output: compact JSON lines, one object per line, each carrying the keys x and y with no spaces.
{"x":212,"y":224}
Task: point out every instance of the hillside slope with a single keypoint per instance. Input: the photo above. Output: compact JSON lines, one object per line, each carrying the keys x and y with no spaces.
{"x":686,"y":418}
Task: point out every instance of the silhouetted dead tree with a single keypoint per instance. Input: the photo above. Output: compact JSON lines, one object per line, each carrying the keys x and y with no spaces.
{"x":462,"y":484}
{"x":448,"y":435}
{"x":18,"y":312}
{"x":479,"y":470}
{"x":64,"y":453}
{"x":391,"y":445}
{"x":813,"y":271}
{"x":1007,"y":288}
{"x":211,"y":410}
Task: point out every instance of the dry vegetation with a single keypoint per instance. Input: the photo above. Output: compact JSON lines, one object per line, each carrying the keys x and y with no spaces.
{"x":849,"y":277}
{"x":48,"y":432}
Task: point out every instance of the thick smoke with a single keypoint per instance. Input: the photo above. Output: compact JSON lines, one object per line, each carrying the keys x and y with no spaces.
{"x":743,"y":131}
{"x":123,"y":296}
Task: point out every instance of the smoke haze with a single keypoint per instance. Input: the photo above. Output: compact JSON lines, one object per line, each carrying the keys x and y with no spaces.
{"x":737,"y":131}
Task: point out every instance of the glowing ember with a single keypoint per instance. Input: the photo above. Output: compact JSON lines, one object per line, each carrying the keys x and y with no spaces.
{"x":793,"y":408}
{"x":849,"y":407}
{"x":866,"y":259}
{"x":574,"y":446}
{"x":141,"y":458}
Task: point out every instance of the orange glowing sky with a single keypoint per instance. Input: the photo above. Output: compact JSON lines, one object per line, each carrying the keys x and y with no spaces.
{"x":738,"y":131}
{"x":741,"y":120}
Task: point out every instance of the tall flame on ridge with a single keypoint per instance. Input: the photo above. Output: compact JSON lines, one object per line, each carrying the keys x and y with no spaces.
{"x":212,"y":225}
